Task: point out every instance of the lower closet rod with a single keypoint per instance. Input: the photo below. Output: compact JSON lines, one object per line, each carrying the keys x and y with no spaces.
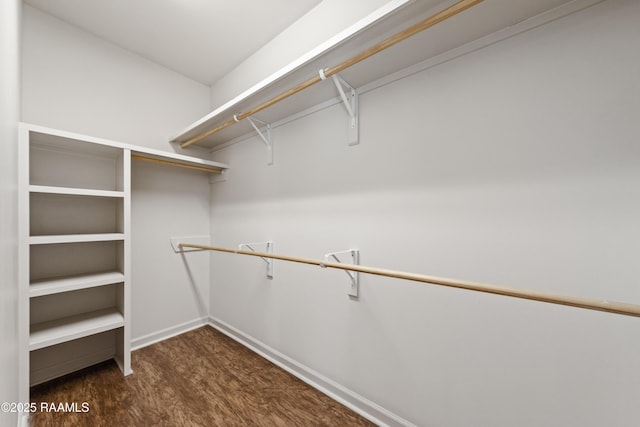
{"x":590,"y":304}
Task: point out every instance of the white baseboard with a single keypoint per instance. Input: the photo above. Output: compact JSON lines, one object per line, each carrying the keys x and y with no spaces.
{"x":350,"y":399}
{"x":152,"y":338}
{"x":337,"y":392}
{"x":23,"y":419}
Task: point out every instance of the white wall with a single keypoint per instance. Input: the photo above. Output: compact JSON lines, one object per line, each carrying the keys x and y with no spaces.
{"x":518,"y":165}
{"x":169,"y":290}
{"x":9,"y":116}
{"x":321,"y":23}
{"x":77,"y":82}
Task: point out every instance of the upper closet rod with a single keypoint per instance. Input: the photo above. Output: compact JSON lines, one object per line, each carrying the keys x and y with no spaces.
{"x":178,"y":164}
{"x":405,"y":34}
{"x":591,"y":304}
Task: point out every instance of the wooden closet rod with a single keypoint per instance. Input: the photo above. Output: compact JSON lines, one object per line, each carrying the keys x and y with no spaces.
{"x":402,"y":35}
{"x":591,"y":304}
{"x":178,"y":164}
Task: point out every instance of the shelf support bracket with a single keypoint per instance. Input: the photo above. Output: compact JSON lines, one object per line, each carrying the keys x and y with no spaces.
{"x":264,"y":135}
{"x":176,"y":243}
{"x":269,"y":250}
{"x":350,"y":102}
{"x":354,"y":276}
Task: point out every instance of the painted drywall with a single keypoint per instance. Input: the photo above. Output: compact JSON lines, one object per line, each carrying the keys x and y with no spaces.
{"x":9,"y":117}
{"x":169,"y":290}
{"x":78,"y":82}
{"x":321,"y":23}
{"x":517,"y":164}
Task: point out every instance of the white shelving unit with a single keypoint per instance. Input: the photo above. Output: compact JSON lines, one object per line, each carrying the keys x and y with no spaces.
{"x":75,"y":240}
{"x":75,"y":260}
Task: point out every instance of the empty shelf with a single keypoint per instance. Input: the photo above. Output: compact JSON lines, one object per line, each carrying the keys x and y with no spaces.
{"x":176,"y":159}
{"x":72,"y":283}
{"x":74,"y":191}
{"x":75,"y":238}
{"x":46,"y":334}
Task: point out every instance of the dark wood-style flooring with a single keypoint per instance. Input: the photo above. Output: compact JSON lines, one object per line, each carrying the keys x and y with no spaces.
{"x":200,"y":378}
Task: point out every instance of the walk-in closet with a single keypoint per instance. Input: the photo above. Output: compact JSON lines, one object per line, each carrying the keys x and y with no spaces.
{"x":318,"y":212}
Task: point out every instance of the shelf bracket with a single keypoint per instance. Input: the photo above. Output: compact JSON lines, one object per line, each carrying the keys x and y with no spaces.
{"x":197,"y":240}
{"x":269,"y":250}
{"x":354,"y":276}
{"x":264,"y":135}
{"x":350,"y":102}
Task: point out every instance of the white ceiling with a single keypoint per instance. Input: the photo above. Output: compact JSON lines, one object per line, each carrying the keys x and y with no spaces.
{"x":201,"y":39}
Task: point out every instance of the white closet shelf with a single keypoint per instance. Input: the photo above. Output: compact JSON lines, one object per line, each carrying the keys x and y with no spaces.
{"x":75,"y":191}
{"x":74,"y":142}
{"x":75,"y":238}
{"x":72,"y":283}
{"x":46,"y":334}
{"x":176,"y":159}
{"x":482,"y":20}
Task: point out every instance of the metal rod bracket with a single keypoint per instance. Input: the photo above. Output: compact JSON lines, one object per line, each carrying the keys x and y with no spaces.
{"x":349,"y":97}
{"x":176,"y":243}
{"x":354,"y":276}
{"x":264,"y":135}
{"x":269,"y":250}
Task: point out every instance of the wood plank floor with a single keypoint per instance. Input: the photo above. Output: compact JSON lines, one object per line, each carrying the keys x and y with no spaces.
{"x":200,"y":378}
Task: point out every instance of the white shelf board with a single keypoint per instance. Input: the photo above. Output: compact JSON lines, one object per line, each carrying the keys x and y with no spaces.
{"x":475,"y":23}
{"x":72,"y":283}
{"x":176,"y":157}
{"x":58,"y":140}
{"x":42,"y":136}
{"x":46,"y":334}
{"x":75,"y":238}
{"x":75,"y":191}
